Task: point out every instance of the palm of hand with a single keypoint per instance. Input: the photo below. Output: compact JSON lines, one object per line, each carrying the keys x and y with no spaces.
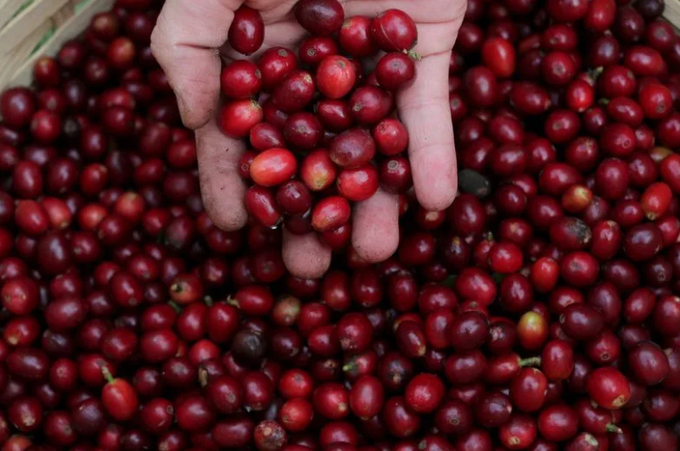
{"x":184,"y":42}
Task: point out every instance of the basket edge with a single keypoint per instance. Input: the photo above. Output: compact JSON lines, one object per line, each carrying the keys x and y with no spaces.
{"x":69,"y":29}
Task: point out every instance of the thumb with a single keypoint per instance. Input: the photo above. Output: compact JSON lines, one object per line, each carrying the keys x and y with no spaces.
{"x":185,"y":42}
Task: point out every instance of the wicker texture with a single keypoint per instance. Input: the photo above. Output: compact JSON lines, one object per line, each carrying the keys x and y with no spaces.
{"x":672,"y":13}
{"x":22,"y":32}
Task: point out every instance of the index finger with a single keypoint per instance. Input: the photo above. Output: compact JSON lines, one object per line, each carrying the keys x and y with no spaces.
{"x":222,"y":188}
{"x":185,"y":42}
{"x":424,"y":109}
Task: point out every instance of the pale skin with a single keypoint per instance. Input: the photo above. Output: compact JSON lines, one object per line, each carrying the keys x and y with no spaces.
{"x":189,"y":43}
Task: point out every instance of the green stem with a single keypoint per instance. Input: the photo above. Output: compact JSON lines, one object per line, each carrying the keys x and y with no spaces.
{"x":107,"y":374}
{"x":595,"y":73}
{"x":530,"y":361}
{"x":611,"y":427}
{"x":414,"y":55}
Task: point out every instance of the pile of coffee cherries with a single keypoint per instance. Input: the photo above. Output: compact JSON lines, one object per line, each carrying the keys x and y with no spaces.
{"x":539,"y":312}
{"x":323,"y":118}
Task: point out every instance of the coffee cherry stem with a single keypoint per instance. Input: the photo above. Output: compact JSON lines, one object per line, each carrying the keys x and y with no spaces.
{"x":530,"y":361}
{"x":107,"y":375}
{"x":611,"y":427}
{"x":415,"y":56}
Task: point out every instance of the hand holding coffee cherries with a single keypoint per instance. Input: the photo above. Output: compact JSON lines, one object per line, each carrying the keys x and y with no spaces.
{"x":297,"y":133}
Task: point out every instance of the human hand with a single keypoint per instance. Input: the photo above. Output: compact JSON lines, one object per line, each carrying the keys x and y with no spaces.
{"x":189,"y":42}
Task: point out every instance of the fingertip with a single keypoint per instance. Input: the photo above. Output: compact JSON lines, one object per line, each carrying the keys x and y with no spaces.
{"x":436,"y":184}
{"x":372,"y":251}
{"x":426,"y":113}
{"x":230,"y":219}
{"x":305,"y":256}
{"x":222,"y":188}
{"x":376,"y":227}
{"x":197,"y":105}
